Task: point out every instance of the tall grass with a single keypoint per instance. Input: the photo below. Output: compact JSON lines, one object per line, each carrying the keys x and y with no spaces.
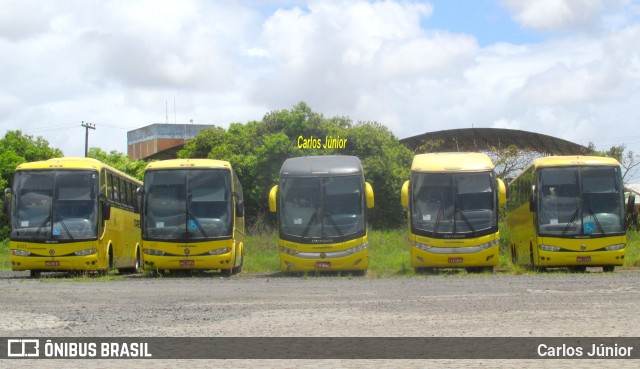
{"x":5,"y":262}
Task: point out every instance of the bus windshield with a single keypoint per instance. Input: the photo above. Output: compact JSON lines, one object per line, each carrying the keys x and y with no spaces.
{"x":183,"y":205}
{"x":453,"y":203}
{"x":55,"y":205}
{"x":580,"y":201}
{"x":322,"y":207}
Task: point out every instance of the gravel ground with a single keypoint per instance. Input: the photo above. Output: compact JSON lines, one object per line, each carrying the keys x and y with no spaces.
{"x":592,"y":304}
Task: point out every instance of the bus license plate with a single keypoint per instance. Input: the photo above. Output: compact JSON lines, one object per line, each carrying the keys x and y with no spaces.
{"x":323,"y":264}
{"x":455,"y":260}
{"x":52,"y":263}
{"x":583,"y":259}
{"x":186,"y":262}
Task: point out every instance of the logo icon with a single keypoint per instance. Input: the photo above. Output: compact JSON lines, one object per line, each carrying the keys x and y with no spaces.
{"x":23,"y":348}
{"x":51,"y":252}
{"x":187,"y":251}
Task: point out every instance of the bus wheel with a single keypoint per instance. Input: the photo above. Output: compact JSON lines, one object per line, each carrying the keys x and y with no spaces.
{"x":138,"y":266}
{"x":226,"y":272}
{"x":34,"y":274}
{"x":608,"y":268}
{"x":238,"y":269}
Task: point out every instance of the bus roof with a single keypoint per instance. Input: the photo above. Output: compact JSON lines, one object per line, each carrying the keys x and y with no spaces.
{"x":452,"y":162}
{"x":558,"y":161}
{"x":188,"y":163}
{"x":321,"y":165}
{"x":71,"y":163}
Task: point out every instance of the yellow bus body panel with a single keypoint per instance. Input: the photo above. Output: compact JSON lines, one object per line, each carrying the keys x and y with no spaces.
{"x":358,"y":261}
{"x":455,"y":252}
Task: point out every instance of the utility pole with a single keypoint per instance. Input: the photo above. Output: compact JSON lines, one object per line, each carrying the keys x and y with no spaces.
{"x":87,"y":127}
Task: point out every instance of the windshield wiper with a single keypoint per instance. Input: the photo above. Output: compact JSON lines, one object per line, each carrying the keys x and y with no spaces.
{"x":308,"y":226}
{"x":438,"y":217}
{"x":333,"y":223}
{"x":46,"y":220}
{"x":464,"y":217}
{"x":593,"y":215}
{"x":573,"y":218}
{"x":195,"y":220}
{"x":65,"y":228}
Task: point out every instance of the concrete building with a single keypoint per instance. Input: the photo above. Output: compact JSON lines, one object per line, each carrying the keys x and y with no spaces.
{"x":160,"y":140}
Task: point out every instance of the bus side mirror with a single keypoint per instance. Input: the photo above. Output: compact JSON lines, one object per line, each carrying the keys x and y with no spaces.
{"x":273,"y":199}
{"x":533,"y":200}
{"x":532,"y":203}
{"x":239,"y":206}
{"x":105,"y":208}
{"x":631,"y":203}
{"x":5,"y":200}
{"x":404,"y":194}
{"x":369,"y":195}
{"x":137,"y":203}
{"x":502,"y":193}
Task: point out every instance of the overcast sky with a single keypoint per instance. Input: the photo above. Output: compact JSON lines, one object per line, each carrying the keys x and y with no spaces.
{"x":566,"y":68}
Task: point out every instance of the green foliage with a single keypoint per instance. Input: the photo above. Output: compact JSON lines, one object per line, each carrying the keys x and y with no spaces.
{"x":258,"y":149}
{"x":15,"y":149}
{"x":629,"y":161}
{"x":119,"y":161}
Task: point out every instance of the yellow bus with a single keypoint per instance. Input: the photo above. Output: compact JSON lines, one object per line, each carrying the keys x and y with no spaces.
{"x":568,"y":211}
{"x":320,"y":202}
{"x":452,"y":202}
{"x":192,"y":216}
{"x":73,"y":214}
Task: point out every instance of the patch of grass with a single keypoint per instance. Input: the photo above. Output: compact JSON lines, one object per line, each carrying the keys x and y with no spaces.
{"x":261,"y":252}
{"x":389,"y":253}
{"x":632,"y":255}
{"x":5,"y":262}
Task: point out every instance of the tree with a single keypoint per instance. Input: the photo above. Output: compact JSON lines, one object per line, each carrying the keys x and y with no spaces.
{"x":629,"y":161}
{"x":119,"y":161}
{"x":258,"y":149}
{"x":15,"y":149}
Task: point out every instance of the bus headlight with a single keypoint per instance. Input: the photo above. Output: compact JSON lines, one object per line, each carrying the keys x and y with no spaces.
{"x":422,"y":246}
{"x":219,"y":251}
{"x":549,"y":248}
{"x":289,"y":251}
{"x":357,"y":248}
{"x":20,"y":253}
{"x":153,"y":252}
{"x":86,"y":252}
{"x":618,"y":246}
{"x":488,"y":245}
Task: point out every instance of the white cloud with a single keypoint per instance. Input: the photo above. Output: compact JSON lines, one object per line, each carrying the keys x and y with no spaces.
{"x":555,"y":15}
{"x":121,"y":64}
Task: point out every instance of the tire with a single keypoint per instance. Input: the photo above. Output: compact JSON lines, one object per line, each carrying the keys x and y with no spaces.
{"x":137,"y":268}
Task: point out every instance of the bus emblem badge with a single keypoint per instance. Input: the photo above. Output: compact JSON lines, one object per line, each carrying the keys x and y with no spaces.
{"x":186,"y":251}
{"x":583,"y":247}
{"x":51,"y":252}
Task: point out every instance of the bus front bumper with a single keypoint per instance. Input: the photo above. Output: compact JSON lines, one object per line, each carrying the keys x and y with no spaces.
{"x":58,"y":263}
{"x":458,"y":257}
{"x":358,"y":261}
{"x":589,"y":259}
{"x":200,"y":262}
